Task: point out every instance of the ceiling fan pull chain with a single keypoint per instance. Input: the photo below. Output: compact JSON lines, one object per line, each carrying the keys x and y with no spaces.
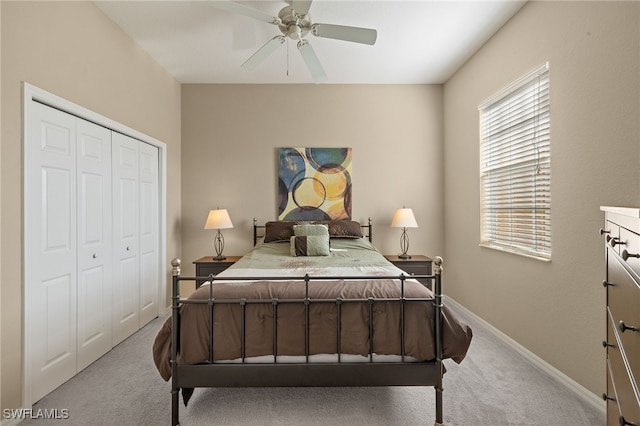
{"x":287,"y":57}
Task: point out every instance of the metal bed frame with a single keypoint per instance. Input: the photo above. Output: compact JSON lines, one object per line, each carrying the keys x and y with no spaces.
{"x":258,"y":230}
{"x":306,"y":373}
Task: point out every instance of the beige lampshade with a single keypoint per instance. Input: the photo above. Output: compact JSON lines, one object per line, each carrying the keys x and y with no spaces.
{"x":404,"y":218}
{"x":218,"y":219}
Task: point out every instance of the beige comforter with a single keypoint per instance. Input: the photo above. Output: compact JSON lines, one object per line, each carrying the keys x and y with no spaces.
{"x":348,"y":258}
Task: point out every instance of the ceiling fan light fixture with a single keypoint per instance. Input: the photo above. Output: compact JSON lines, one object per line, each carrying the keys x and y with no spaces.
{"x":294,"y":32}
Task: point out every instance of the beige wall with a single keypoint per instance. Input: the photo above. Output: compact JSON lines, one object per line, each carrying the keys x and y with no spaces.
{"x":72,"y":50}
{"x":231,"y":132}
{"x":554,"y":309}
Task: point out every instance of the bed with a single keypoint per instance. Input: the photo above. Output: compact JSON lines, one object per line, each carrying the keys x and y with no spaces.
{"x":307,"y":309}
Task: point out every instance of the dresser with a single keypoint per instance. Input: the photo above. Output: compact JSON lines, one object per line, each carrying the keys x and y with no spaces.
{"x":207,"y":265}
{"x":621,"y":233}
{"x":417,"y":264}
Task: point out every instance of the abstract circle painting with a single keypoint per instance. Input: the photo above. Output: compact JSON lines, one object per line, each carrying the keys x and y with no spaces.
{"x":314,"y":183}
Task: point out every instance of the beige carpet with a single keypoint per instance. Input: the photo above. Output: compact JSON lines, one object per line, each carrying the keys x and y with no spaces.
{"x":493,"y":386}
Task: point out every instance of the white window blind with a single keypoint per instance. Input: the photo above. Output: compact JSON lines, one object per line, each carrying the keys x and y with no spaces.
{"x":515,"y":167}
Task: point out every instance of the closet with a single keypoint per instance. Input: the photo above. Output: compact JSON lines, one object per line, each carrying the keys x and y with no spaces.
{"x":92,"y":244}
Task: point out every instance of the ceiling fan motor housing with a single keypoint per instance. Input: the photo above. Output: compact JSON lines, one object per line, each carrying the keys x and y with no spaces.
{"x":293,"y":25}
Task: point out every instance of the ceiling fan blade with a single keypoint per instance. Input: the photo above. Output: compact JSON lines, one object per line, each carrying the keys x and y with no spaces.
{"x":301,"y":6}
{"x":312,"y":61}
{"x":241,"y":9}
{"x":340,"y":32}
{"x":261,"y":54}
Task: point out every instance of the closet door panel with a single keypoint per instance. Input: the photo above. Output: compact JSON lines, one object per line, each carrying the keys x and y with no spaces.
{"x":149,"y":233}
{"x":91,"y":241}
{"x":94,"y":242}
{"x":52,"y":279}
{"x":126,"y":287}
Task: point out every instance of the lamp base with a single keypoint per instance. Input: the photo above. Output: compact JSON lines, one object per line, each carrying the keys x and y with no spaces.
{"x":218,"y":244}
{"x":404,"y":245}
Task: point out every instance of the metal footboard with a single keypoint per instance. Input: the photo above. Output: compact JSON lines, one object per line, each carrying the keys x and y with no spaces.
{"x":306,"y":373}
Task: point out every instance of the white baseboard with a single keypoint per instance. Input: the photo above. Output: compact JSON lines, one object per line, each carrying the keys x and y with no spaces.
{"x":582,"y":392}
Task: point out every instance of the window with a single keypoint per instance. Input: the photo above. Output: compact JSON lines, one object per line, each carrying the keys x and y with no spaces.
{"x":515,"y":168}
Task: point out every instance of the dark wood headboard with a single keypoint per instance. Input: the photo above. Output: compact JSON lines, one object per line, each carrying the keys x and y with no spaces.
{"x":258,"y":230}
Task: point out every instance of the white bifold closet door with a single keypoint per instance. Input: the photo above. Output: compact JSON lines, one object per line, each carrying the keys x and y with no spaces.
{"x":149,"y":232}
{"x":135,"y":235}
{"x":69,"y":199}
{"x":94,"y":242}
{"x":92,"y":269}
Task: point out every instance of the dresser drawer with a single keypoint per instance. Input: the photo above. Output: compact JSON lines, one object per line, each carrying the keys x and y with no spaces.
{"x":623,"y":300}
{"x":630,"y":249}
{"x":625,"y":388}
{"x":613,"y":413}
{"x":612,"y":236}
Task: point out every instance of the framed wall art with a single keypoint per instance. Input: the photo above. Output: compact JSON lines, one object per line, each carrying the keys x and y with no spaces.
{"x":314,"y":183}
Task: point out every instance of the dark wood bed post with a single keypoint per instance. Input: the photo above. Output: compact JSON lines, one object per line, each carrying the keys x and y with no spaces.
{"x":437,"y":271}
{"x":175,"y":305}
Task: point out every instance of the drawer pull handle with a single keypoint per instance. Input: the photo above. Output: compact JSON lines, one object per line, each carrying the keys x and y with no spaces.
{"x":614,"y":241}
{"x":607,"y":397}
{"x":625,"y":422}
{"x":606,"y":344}
{"x":602,"y":232}
{"x":607,"y":284}
{"x":95,"y":255}
{"x":626,"y":255}
{"x":624,"y":327}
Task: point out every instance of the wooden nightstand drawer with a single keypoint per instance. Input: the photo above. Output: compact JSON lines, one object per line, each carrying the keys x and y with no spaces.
{"x":416,"y":265}
{"x":206,"y":266}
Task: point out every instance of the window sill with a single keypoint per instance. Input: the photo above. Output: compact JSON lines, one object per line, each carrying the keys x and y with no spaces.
{"x":536,"y":256}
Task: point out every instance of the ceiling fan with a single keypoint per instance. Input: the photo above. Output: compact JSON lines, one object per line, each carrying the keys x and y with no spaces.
{"x":295,"y":23}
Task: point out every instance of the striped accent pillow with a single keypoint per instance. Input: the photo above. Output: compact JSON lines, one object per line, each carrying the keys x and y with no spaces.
{"x":310,"y":245}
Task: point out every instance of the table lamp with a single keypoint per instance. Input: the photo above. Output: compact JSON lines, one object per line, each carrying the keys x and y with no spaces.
{"x":404,"y":218}
{"x":218,"y":219}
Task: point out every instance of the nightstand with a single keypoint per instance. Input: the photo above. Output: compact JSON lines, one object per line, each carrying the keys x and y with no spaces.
{"x":416,"y":265}
{"x":206,"y":266}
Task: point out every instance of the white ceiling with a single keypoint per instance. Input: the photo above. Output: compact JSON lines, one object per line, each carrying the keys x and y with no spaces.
{"x":419,"y":42}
